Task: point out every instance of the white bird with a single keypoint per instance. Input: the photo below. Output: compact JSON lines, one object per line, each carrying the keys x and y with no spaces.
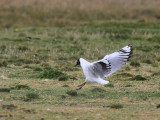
{"x":98,"y":70}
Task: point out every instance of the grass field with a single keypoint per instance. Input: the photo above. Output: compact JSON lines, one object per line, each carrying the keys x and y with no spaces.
{"x":38,"y":77}
{"x":40,"y":43}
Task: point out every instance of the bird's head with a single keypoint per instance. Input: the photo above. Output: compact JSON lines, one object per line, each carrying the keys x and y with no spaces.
{"x":78,"y":62}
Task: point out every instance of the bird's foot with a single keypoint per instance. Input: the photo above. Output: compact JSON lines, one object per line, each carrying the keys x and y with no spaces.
{"x":81,"y":85}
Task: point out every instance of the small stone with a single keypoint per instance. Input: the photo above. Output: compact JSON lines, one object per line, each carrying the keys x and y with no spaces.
{"x":4,"y":77}
{"x":46,"y":80}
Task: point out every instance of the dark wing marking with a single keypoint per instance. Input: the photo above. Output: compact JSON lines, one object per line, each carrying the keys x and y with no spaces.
{"x":118,"y":58}
{"x":100,"y":68}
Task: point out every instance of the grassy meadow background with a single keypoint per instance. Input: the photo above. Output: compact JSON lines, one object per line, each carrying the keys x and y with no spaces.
{"x":40,"y":42}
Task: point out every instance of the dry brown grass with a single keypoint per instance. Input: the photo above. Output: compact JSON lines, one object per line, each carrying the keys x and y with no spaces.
{"x":21,"y":13}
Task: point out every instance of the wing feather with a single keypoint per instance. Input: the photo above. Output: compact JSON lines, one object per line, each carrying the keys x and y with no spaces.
{"x":100,"y":68}
{"x":111,"y":63}
{"x":119,"y":58}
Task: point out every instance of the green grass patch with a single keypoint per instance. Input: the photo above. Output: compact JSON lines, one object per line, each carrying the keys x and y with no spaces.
{"x":2,"y":48}
{"x":116,"y":106}
{"x":135,"y":64}
{"x":51,"y":73}
{"x":23,"y":48}
{"x":63,"y":78}
{"x":138,"y":78}
{"x":20,"y":87}
{"x":65,"y":86}
{"x":109,"y":85}
{"x":147,"y":61}
{"x":4,"y":89}
{"x":128,"y":85}
{"x":37,"y":69}
{"x":31,"y":96}
{"x":9,"y":107}
{"x":97,"y":90}
{"x":3,"y":63}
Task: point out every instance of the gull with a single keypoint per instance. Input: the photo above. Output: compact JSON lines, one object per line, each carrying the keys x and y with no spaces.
{"x":96,"y":71}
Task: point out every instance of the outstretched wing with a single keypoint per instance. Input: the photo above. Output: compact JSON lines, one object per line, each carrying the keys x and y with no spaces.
{"x":100,"y":68}
{"x":118,"y":58}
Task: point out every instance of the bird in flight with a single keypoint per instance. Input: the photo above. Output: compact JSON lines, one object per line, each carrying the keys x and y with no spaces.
{"x":98,"y":70}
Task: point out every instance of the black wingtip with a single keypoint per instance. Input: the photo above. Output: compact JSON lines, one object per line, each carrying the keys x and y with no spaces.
{"x":131,"y":52}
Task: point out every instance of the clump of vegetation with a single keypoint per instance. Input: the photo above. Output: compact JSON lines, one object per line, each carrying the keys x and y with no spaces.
{"x":109,"y":85}
{"x":135,"y":64}
{"x":3,"y":63}
{"x":21,"y":34}
{"x":97,"y":89}
{"x":72,"y":77}
{"x":72,"y":93}
{"x":127,"y":68}
{"x":51,"y":73}
{"x":2,"y":47}
{"x":23,"y":48}
{"x":37,"y":69}
{"x":138,"y":78}
{"x":116,"y":106}
{"x":72,"y":104}
{"x":63,"y":78}
{"x":65,"y":86}
{"x":154,"y":38}
{"x":9,"y":107}
{"x":128,"y":85}
{"x":31,"y":96}
{"x":157,"y":46}
{"x":147,"y":61}
{"x":4,"y":89}
{"x":21,"y":87}
{"x":155,"y":65}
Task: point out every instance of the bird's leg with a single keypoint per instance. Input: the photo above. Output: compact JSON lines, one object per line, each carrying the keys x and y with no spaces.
{"x":81,"y":85}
